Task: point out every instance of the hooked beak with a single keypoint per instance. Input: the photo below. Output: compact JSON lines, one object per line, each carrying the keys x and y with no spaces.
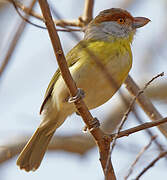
{"x":140,"y":22}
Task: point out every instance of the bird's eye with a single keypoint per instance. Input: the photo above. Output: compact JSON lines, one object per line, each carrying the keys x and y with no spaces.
{"x":121,"y":21}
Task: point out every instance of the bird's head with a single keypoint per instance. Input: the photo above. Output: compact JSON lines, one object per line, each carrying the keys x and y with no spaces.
{"x":114,"y":23}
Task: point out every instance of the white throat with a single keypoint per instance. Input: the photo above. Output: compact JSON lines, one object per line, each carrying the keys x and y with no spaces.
{"x":106,"y":30}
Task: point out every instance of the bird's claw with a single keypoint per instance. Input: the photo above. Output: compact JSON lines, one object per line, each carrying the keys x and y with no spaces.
{"x":94,"y":124}
{"x":80,"y":94}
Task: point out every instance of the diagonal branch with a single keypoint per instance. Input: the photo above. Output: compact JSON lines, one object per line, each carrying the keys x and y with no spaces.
{"x":139,"y":155}
{"x":163,"y":154}
{"x":145,"y":104}
{"x":148,"y":131}
{"x":131,"y":107}
{"x":98,"y":135}
{"x":127,"y":113}
{"x":142,"y":100}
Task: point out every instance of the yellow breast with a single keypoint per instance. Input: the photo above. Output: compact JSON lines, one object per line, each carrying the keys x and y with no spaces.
{"x":116,"y":59}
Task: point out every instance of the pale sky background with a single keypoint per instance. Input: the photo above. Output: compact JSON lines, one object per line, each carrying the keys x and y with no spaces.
{"x":25,"y":81}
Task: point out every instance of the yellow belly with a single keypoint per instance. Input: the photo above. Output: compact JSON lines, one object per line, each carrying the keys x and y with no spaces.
{"x":98,"y":89}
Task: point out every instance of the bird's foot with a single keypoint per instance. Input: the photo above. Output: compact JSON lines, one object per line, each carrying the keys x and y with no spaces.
{"x":80,"y":94}
{"x":94,"y":124}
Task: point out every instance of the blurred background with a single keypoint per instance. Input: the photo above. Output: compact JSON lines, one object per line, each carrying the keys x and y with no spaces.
{"x":26,"y":76}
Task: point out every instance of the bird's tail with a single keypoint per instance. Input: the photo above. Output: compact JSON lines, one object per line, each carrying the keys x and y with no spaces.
{"x":31,"y":156}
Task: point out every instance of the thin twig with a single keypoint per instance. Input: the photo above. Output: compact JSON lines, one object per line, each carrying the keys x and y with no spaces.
{"x":80,"y":105}
{"x":19,"y":30}
{"x":127,"y":113}
{"x":145,"y":104}
{"x":26,"y":9}
{"x":61,"y":22}
{"x":138,"y":128}
{"x":142,"y":100}
{"x":25,"y":18}
{"x":163,"y":154}
{"x":58,"y":16}
{"x":130,"y":108}
{"x":66,"y":29}
{"x":148,"y":131}
{"x":139,"y":156}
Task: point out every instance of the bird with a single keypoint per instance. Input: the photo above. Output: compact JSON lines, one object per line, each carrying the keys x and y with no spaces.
{"x":108,"y":37}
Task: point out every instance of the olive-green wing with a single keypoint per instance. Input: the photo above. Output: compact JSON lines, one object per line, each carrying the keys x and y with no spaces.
{"x":49,"y":89}
{"x":72,"y":57}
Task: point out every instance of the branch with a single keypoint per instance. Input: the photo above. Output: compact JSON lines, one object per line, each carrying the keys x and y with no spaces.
{"x":26,"y":10}
{"x":25,"y":18}
{"x":139,"y":128}
{"x":145,"y":104}
{"x":151,"y":164}
{"x":98,"y":135}
{"x":62,"y":23}
{"x":148,"y":131}
{"x":79,"y":144}
{"x":130,"y":109}
{"x":142,"y":100}
{"x":65,"y":29}
{"x":139,"y":156}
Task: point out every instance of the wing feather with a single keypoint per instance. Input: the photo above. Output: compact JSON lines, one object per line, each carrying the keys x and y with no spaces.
{"x":72,"y":58}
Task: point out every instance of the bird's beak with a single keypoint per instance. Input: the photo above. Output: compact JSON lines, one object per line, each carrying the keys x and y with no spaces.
{"x":140,"y":22}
